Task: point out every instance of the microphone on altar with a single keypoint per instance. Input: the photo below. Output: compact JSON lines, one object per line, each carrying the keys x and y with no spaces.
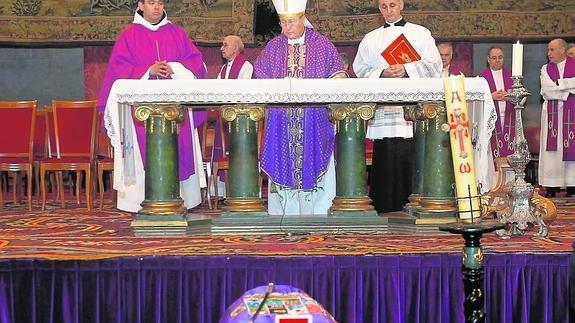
{"x":264,"y":299}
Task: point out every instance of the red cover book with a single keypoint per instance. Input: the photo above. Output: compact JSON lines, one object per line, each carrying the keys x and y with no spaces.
{"x":400,"y":51}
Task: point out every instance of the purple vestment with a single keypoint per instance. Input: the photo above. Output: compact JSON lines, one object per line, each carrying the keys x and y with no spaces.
{"x":298,"y":143}
{"x":568,"y":113}
{"x":135,"y":50}
{"x":453,"y":69}
{"x":237,"y":64}
{"x":503,"y":137}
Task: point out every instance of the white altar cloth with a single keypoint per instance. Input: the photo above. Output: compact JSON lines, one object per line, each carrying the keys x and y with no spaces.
{"x":300,"y":91}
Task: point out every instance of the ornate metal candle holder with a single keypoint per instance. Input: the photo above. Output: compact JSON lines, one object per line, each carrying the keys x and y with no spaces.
{"x":472,"y":267}
{"x":522,"y":211}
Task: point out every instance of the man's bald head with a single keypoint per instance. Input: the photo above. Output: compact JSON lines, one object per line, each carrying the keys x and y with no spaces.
{"x":557,"y":50}
{"x":232,"y":46}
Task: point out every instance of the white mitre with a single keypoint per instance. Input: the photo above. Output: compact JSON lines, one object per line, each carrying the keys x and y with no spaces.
{"x":291,"y":8}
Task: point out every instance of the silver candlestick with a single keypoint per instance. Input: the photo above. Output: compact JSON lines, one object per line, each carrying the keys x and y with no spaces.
{"x":522,"y":213}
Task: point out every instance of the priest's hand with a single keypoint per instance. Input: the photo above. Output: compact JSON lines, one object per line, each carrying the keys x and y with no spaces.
{"x":498,"y":95}
{"x":161,"y":69}
{"x":394,"y":71}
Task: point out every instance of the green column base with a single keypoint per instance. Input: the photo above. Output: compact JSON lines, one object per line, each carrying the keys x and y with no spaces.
{"x":159,"y":225}
{"x":241,"y":205}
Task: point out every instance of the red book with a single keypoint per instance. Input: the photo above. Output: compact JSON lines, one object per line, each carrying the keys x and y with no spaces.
{"x":400,"y":51}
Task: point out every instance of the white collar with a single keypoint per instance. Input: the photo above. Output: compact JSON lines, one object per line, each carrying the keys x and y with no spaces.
{"x":139,"y":19}
{"x":391,"y":24}
{"x":298,"y":41}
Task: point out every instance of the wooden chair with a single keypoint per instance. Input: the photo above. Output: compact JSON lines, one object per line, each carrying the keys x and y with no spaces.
{"x":75,"y":126}
{"x":219,"y":159}
{"x":105,"y":162}
{"x":207,"y":138}
{"x":17,"y":125}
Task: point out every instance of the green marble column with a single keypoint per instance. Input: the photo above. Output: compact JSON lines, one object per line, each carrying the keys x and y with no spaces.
{"x":243,"y":174}
{"x":438,"y":199}
{"x":414,"y":113}
{"x":163,"y":209}
{"x":351,"y":181}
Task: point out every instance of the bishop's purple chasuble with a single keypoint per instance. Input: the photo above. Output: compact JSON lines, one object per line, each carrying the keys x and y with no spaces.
{"x":299,"y":141}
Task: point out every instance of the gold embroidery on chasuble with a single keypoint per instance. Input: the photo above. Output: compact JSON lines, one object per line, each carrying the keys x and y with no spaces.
{"x":295,"y":69}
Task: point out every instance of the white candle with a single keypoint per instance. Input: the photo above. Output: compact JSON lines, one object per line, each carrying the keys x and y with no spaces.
{"x":461,"y":148}
{"x":517,"y":64}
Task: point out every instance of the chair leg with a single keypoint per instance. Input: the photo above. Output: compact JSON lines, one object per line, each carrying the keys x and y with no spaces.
{"x":101,"y":186}
{"x":60,"y":188}
{"x":208,"y":185}
{"x":43,"y":186}
{"x":89,"y":188}
{"x":29,"y":172}
{"x":37,"y":182}
{"x":15,"y":187}
{"x":78,"y":186}
{"x":215,"y":183}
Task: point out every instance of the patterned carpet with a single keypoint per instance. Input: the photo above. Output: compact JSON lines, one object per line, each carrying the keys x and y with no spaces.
{"x":75,"y":233}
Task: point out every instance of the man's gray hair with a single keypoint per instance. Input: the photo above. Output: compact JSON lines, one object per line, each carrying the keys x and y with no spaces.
{"x":561,"y":42}
{"x":447,"y":45}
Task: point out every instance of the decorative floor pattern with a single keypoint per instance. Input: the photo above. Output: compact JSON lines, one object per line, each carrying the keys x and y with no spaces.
{"x":75,"y":233}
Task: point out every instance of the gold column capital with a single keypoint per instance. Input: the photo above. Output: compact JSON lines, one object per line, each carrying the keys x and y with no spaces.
{"x":341,"y":111}
{"x":423,"y":111}
{"x":254,"y":111}
{"x":431,"y":109}
{"x":168,"y":111}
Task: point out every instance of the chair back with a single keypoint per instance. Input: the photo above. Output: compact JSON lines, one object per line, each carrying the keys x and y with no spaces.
{"x":207,"y":134}
{"x":17,"y":126}
{"x":75,"y":124}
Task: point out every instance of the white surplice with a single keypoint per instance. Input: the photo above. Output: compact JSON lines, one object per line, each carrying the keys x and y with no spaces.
{"x":553,"y":171}
{"x":369,"y":63}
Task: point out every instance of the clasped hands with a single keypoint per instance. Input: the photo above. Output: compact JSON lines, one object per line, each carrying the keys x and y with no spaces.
{"x":396,"y":70}
{"x":499,"y":95}
{"x":161,"y":69}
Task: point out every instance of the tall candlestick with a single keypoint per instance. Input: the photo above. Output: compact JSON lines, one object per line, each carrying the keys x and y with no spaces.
{"x":461,"y":148}
{"x":517,"y":64}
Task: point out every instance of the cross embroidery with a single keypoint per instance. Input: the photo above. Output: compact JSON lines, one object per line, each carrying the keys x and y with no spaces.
{"x":460,"y":124}
{"x":552,"y":113}
{"x":570,"y":135}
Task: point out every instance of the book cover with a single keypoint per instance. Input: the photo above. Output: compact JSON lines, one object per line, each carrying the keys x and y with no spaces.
{"x":400,"y":51}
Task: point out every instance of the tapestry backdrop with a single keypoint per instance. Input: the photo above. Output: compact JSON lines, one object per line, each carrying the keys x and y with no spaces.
{"x":93,"y":21}
{"x":350,"y":20}
{"x":99,"y":21}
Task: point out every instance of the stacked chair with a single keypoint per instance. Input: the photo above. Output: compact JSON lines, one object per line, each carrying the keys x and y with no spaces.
{"x":17,"y":126}
{"x":75,"y":126}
